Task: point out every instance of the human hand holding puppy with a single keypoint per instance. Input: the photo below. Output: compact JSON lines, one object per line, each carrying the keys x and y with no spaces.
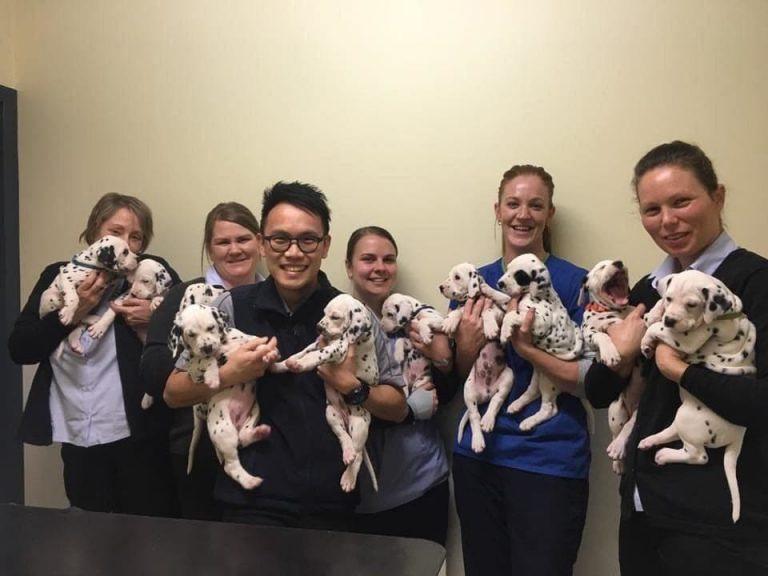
{"x":248,"y":362}
{"x":135,"y":311}
{"x":626,"y":336}
{"x":90,"y":293}
{"x":670,"y":362}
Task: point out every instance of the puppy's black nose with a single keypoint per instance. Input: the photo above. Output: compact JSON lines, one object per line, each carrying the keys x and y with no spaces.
{"x":501,"y":284}
{"x":669,"y":322}
{"x":619,"y":264}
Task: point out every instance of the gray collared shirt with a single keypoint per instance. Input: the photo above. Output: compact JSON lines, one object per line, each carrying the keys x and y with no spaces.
{"x":86,"y":400}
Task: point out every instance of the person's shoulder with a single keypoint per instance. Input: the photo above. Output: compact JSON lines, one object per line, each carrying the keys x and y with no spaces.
{"x":565,"y":267}
{"x":745,"y":260}
{"x":51,"y":271}
{"x":491,"y":272}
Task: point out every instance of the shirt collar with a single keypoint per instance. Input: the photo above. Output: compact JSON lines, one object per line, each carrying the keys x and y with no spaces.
{"x":213,"y":278}
{"x":707,"y":262}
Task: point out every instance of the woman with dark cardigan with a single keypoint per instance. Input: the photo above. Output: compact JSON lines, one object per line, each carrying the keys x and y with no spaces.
{"x":230,"y":243}
{"x":114,"y":453}
{"x":676,"y":518}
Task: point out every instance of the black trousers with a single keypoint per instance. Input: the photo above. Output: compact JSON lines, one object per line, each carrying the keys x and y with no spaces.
{"x":425,"y":517}
{"x":129,"y":476}
{"x":516,"y":522}
{"x":195,"y":490}
{"x":645,"y":549}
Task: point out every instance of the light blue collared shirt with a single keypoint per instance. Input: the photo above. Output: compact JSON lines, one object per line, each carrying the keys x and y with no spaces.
{"x":707,"y":262}
{"x":86,"y":400}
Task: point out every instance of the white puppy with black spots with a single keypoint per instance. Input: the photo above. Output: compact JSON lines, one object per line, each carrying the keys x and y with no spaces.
{"x":606,"y":286}
{"x":150,"y":281}
{"x":346,"y":321}
{"x":490,"y":379}
{"x":398,"y":313}
{"x":109,"y":253}
{"x":232,"y":414}
{"x":700,"y":317}
{"x":527,"y":279}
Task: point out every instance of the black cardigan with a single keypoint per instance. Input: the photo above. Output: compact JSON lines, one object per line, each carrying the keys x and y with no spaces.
{"x":157,"y":363}
{"x":696,"y":498}
{"x":34,"y":339}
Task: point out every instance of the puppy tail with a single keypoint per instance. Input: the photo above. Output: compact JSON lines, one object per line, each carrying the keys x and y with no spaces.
{"x":462,"y":425}
{"x":590,"y":415}
{"x":730,"y":458}
{"x":369,"y":467}
{"x":193,"y":443}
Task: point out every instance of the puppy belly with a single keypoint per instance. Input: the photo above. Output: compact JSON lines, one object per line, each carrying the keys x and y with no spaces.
{"x":700,"y":426}
{"x":240,"y":403}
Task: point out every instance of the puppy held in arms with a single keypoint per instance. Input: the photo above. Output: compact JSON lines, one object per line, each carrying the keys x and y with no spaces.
{"x":109,"y":253}
{"x":527,"y":279}
{"x":490,"y":379}
{"x":700,"y":317}
{"x":232,"y":414}
{"x":606,"y":287}
{"x":150,"y":281}
{"x":346,"y":321}
{"x":398,"y":313}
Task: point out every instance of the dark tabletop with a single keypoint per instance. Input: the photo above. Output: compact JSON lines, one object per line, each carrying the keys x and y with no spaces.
{"x":48,"y":542}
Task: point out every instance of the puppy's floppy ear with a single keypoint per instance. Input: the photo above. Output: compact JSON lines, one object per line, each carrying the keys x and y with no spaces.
{"x":473,"y":286}
{"x":718,"y":300}
{"x":175,"y":338}
{"x":583,"y":292}
{"x":663,"y":284}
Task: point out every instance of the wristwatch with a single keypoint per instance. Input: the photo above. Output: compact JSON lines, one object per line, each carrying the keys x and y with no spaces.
{"x":358,"y":395}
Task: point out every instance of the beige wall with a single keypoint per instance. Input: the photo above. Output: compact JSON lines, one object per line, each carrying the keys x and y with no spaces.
{"x":8,"y":43}
{"x":405,"y":113}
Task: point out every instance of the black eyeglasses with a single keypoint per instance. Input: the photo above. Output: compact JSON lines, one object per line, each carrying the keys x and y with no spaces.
{"x":282,"y":242}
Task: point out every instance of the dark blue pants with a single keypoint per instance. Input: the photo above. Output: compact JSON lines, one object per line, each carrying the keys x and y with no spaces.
{"x":647,"y":549}
{"x":515,"y":522}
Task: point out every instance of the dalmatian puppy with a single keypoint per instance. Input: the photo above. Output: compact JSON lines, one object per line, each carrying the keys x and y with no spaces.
{"x":699,"y":316}
{"x":606,"y":287}
{"x":150,"y":281}
{"x":198,"y":293}
{"x":490,"y":379}
{"x":233,"y":413}
{"x":398,"y":313}
{"x":527,"y":278}
{"x":109,"y":253}
{"x":346,"y":321}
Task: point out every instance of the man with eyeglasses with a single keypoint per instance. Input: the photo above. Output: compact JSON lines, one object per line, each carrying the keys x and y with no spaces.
{"x":301,"y":460}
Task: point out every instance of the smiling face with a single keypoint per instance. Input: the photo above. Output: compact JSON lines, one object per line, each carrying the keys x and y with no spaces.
{"x":294,"y":272}
{"x":678,"y":212}
{"x":234,"y":252}
{"x":524,"y":209}
{"x":373,"y":270}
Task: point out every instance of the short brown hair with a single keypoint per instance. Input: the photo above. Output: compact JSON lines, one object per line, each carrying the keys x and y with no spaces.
{"x":106,"y":207}
{"x":683,"y":155}
{"x":227,"y":212}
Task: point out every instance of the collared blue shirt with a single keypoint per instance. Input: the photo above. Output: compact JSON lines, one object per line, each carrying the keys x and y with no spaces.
{"x":707,"y":262}
{"x":86,"y":401}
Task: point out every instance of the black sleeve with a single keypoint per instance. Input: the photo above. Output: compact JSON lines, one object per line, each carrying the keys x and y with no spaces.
{"x":445,"y":384}
{"x":33,"y":339}
{"x":742,"y":400}
{"x":156,"y":360}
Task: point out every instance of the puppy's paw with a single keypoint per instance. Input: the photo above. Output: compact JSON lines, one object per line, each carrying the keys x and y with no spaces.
{"x":96,"y":331}
{"x":348,"y":452}
{"x":249,"y":434}
{"x":610,"y":357}
{"x":646,"y":443}
{"x":487,"y":423}
{"x":617,"y":448}
{"x":66,"y":316}
{"x":618,"y":467}
{"x":450,"y":325}
{"x":516,"y":406}
{"x":478,"y":443}
{"x":155,"y":303}
{"x":279,"y":368}
{"x":147,"y":401}
{"x":663,"y":456}
{"x":349,"y":478}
